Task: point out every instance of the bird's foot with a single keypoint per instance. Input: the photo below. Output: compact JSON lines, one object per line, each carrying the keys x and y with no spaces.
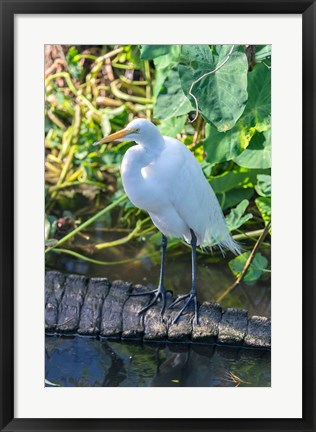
{"x":191,"y":297}
{"x":156,"y":293}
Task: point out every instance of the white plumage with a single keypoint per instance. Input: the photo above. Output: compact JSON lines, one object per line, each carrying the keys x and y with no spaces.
{"x":161,"y":176}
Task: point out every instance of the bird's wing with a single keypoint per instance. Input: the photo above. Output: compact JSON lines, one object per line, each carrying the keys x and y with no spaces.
{"x":189,"y":192}
{"x":194,"y":199}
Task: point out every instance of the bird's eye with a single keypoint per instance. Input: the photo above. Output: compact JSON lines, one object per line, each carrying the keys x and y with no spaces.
{"x":137,"y":130}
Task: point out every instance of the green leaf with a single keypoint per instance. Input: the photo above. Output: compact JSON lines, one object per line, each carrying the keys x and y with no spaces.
{"x":236,"y":217}
{"x":126,"y":204}
{"x":89,"y":132}
{"x":50,"y":243}
{"x":50,"y":226}
{"x":113,"y":119}
{"x":172,"y":126}
{"x":167,"y":61}
{"x":263,"y":186}
{"x":258,"y":108}
{"x":206,"y":167}
{"x":230,"y":180}
{"x":221,"y":96}
{"x":201,"y":54}
{"x":263,"y":54}
{"x":256,"y":268}
{"x":163,"y":64}
{"x":171,"y":101}
{"x":149,"y":52}
{"x":81,"y":155}
{"x":133,"y":55}
{"x":222,"y":146}
{"x":155,"y":239}
{"x":60,"y":98}
{"x":234,"y":196}
{"x":258,"y":152}
{"x":75,"y":67}
{"x":264,"y":206}
{"x":47,"y":228}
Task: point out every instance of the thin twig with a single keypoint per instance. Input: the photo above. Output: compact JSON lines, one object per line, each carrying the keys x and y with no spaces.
{"x":248,"y":235}
{"x":73,"y":89}
{"x":104,"y":100}
{"x":196,"y":135}
{"x":64,"y":170}
{"x":129,"y":81}
{"x":148,"y":88}
{"x":110,"y":54}
{"x":235,"y":379}
{"x":248,"y":262}
{"x":88,"y":222}
{"x":54,"y":67}
{"x":119,"y":94}
{"x":71,"y":184}
{"x":52,"y":168}
{"x":104,"y":263}
{"x":204,"y":76}
{"x":55,"y":120}
{"x":122,"y":240}
{"x":109,"y":70}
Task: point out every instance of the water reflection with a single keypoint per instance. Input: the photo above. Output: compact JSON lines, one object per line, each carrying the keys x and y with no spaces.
{"x":84,"y":362}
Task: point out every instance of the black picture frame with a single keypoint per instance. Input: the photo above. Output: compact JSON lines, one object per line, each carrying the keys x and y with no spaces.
{"x":9,"y":8}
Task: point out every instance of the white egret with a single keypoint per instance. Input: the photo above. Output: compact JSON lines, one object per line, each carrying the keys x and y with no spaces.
{"x":161,"y":175}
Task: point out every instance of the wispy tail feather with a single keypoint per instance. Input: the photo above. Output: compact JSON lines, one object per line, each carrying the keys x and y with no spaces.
{"x":217,"y":234}
{"x":227,"y":243}
{"x":231,"y":244}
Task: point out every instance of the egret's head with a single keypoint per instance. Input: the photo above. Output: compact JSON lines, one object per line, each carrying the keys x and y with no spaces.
{"x":139,"y":130}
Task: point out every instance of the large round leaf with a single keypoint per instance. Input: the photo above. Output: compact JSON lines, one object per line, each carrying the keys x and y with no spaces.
{"x":163,"y":64}
{"x":263,"y":54}
{"x":263,"y":186}
{"x":221,"y":96}
{"x":264,"y":206}
{"x":233,"y":197}
{"x":230,"y":179}
{"x":256,"y":269}
{"x":171,"y":101}
{"x":258,"y":153}
{"x":223,"y":146}
{"x":172,"y":126}
{"x":236,"y":217}
{"x":258,"y":109}
{"x":200,"y":54}
{"x":149,"y":52}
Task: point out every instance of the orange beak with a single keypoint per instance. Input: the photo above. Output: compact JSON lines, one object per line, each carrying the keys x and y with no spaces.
{"x":115,"y":136}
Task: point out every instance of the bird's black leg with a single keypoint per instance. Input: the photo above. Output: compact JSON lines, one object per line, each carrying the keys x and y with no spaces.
{"x":192,"y":294}
{"x":160,"y":291}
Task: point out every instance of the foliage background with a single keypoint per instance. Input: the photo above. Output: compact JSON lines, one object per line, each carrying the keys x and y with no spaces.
{"x":92,"y":91}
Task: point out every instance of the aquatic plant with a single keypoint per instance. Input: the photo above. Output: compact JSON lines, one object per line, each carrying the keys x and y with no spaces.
{"x":91,"y":91}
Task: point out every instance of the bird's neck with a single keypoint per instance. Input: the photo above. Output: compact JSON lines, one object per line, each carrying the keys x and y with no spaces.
{"x":135,"y":161}
{"x":153,"y":143}
{"x":136,"y":158}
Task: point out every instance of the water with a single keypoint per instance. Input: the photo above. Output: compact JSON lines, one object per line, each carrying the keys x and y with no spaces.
{"x":82,"y":361}
{"x":213,"y":273}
